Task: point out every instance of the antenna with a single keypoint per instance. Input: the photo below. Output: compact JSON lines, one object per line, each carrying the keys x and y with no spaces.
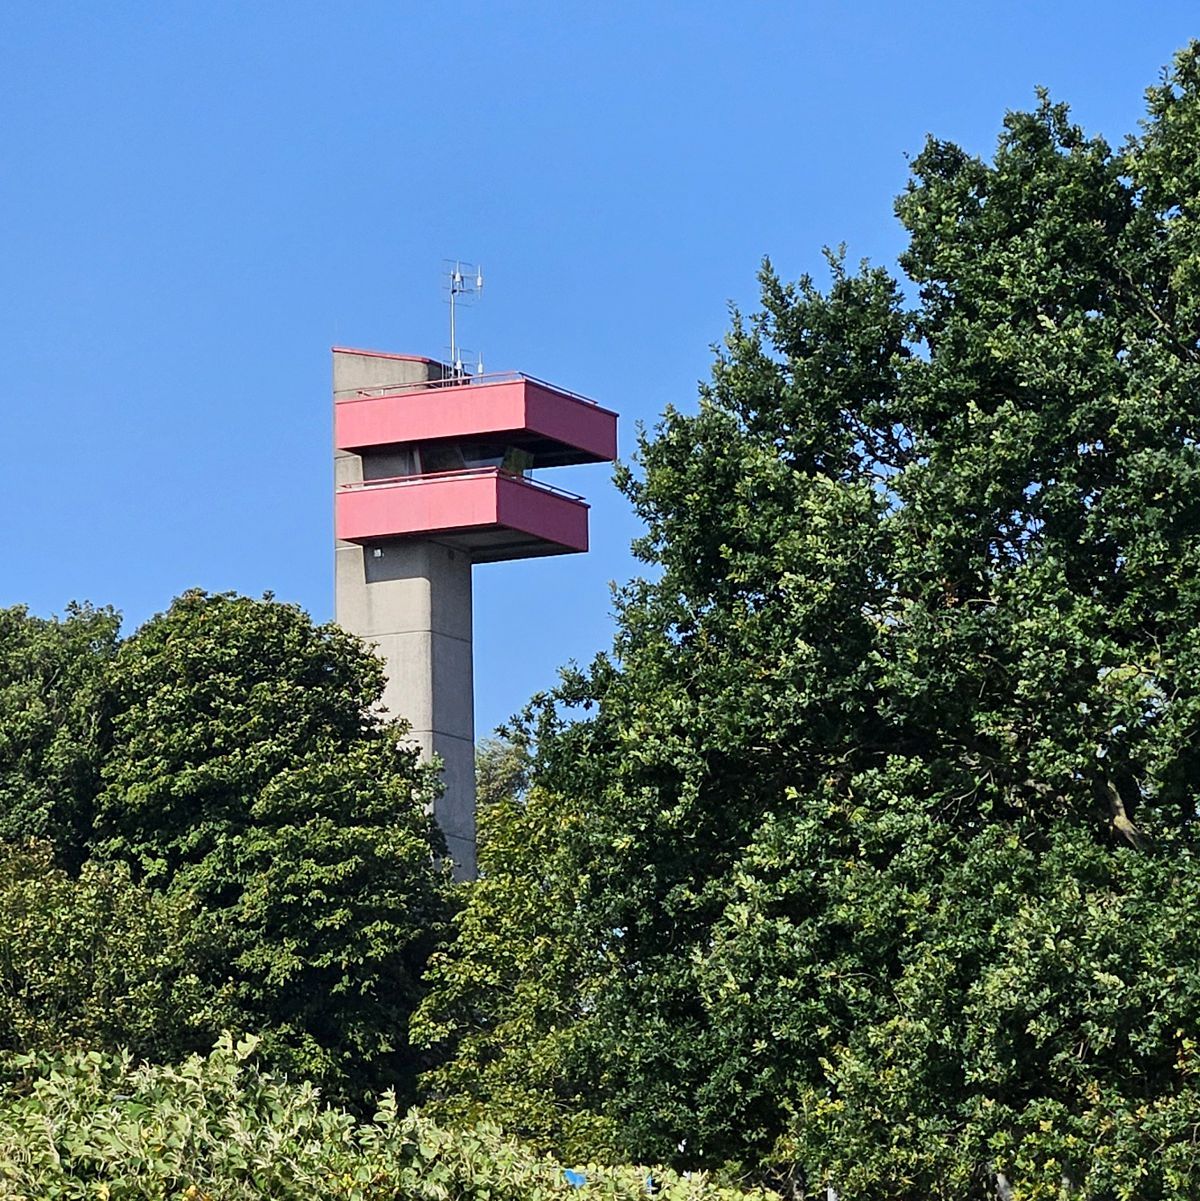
{"x":465,"y":284}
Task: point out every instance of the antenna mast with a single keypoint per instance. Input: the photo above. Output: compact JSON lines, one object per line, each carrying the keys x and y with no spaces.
{"x":465,"y":284}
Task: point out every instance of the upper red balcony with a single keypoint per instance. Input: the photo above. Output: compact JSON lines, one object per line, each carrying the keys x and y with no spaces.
{"x":552,"y":426}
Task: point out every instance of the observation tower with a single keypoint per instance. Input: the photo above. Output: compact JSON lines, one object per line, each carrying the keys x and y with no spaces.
{"x":434,"y":473}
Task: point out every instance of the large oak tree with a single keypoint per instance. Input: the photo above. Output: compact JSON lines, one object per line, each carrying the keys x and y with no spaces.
{"x":872,"y":861}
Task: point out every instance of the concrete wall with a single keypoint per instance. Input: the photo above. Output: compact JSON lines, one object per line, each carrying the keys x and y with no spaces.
{"x":412,"y":600}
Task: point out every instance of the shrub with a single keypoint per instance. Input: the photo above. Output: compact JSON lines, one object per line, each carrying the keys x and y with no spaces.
{"x":87,"y":1125}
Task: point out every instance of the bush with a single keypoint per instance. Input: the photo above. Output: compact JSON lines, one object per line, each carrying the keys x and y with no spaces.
{"x":93,"y":1126}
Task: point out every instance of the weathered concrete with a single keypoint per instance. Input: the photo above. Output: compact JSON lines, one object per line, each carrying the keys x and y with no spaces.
{"x":412,"y":600}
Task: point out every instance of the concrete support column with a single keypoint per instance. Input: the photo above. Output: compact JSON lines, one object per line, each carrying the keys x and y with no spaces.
{"x":412,"y":601}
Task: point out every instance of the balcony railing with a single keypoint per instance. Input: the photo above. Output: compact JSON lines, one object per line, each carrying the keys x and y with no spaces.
{"x":402,"y":481}
{"x":462,"y":381}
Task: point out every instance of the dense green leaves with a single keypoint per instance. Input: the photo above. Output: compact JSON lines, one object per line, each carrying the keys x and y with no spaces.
{"x":53,"y":705}
{"x":230,"y":757}
{"x":214,"y":699}
{"x":97,"y":1126}
{"x":870,"y":861}
{"x":249,"y":771}
{"x":519,"y":938}
{"x":99,"y":961}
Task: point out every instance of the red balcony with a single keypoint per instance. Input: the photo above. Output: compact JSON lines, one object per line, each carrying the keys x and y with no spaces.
{"x":555,"y":426}
{"x":486,"y":511}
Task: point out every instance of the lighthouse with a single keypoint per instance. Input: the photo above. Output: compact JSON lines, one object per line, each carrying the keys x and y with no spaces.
{"x":436,"y":471}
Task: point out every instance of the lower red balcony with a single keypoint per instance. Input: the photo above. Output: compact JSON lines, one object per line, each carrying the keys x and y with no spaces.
{"x":490,"y":513}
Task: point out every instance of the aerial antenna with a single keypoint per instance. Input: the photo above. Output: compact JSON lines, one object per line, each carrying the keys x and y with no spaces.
{"x":465,"y":284}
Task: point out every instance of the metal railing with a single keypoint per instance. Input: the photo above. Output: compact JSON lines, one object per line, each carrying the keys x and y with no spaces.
{"x":461,"y":381}
{"x":427,"y":477}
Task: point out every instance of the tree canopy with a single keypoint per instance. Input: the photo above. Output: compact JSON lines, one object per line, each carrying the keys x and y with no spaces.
{"x":53,"y":708}
{"x":229,"y":756}
{"x":99,"y":961}
{"x":867,"y":858}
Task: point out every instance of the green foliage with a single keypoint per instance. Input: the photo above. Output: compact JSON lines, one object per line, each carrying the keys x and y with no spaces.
{"x":98,"y":961}
{"x":229,"y":756}
{"x":94,"y":1126}
{"x":52,"y":710}
{"x":518,"y":937}
{"x":214,"y":699}
{"x":501,"y":771}
{"x":249,"y":772}
{"x":871,"y":861}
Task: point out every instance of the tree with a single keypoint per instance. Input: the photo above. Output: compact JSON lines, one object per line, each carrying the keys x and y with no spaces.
{"x":53,"y":698}
{"x":501,"y":771}
{"x":875,"y":858}
{"x":518,"y":936}
{"x":250,"y":773}
{"x":222,"y":781}
{"x":97,"y":961}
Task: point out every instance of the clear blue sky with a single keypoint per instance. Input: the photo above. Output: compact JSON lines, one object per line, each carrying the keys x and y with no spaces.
{"x":198,"y":199}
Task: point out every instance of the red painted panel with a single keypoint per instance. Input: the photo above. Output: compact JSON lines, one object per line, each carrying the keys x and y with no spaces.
{"x":577,"y":423}
{"x":486,"y":501}
{"x":421,"y":415}
{"x":467,"y":411}
{"x":524,"y":507}
{"x":424,"y":506}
